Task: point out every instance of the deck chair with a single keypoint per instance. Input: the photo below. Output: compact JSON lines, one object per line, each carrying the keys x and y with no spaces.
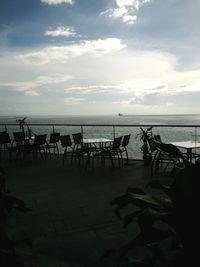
{"x":18,"y":137}
{"x":66,"y":143}
{"x":165,"y":155}
{"x":37,"y":147}
{"x":123,"y":148}
{"x":79,"y":150}
{"x":52,"y":144}
{"x":5,"y":143}
{"x":111,"y":152}
{"x":18,"y":141}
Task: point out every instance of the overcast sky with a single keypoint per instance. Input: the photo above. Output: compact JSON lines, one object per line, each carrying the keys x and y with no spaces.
{"x":88,"y":57}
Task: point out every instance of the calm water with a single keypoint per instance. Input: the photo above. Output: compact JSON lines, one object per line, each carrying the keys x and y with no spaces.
{"x":168,"y":134}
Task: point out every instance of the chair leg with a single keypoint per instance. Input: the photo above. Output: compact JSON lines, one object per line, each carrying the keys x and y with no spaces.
{"x":112,"y":163}
{"x":63,"y":158}
{"x":57,"y":149}
{"x":118,"y":158}
{"x":126,"y":155}
{"x":121,"y":156}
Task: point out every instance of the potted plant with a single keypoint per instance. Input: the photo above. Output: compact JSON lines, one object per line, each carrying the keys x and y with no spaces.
{"x":22,"y":124}
{"x":145,"y":136}
{"x":10,"y":253}
{"x":168,"y":220}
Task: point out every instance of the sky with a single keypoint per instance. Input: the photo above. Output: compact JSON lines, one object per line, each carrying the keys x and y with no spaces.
{"x":87,"y":57}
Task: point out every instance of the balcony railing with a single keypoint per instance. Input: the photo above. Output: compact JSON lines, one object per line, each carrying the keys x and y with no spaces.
{"x":169,"y":133}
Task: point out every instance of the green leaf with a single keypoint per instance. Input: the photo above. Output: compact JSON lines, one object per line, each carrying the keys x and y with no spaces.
{"x":144,"y":200}
{"x":129,"y":218}
{"x":135,"y":190}
{"x":150,"y":128}
{"x":157,"y":185}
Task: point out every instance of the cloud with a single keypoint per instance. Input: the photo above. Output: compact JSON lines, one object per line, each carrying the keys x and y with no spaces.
{"x":141,"y":92}
{"x":74,"y":100}
{"x":57,"y":2}
{"x":32,"y":93}
{"x":92,"y":89}
{"x":31,"y":87}
{"x":61,"y":31}
{"x":130,"y":81}
{"x":126,"y":10}
{"x":63,"y":53}
{"x":136,"y":89}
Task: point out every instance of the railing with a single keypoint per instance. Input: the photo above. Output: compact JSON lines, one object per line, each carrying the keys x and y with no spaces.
{"x":169,"y":133}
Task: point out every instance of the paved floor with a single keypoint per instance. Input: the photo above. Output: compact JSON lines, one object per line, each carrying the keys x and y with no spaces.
{"x":71,"y":222}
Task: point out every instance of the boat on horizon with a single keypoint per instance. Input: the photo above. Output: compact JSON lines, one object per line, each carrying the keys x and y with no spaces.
{"x":120,"y":114}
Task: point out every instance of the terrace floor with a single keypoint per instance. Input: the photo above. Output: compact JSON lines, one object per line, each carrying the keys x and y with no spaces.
{"x":71,"y":222}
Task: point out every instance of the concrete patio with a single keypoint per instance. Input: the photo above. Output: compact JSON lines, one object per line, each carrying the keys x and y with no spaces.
{"x":71,"y":222}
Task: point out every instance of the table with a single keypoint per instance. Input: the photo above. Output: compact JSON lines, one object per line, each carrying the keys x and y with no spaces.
{"x":101,"y":141}
{"x":93,"y":141}
{"x":189,"y":146}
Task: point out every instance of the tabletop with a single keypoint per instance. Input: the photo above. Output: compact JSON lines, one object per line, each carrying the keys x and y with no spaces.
{"x":96,"y":140}
{"x":187,"y":144}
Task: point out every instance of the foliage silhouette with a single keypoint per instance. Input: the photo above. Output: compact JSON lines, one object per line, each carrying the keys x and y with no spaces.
{"x":8,"y":255}
{"x":168,"y":221}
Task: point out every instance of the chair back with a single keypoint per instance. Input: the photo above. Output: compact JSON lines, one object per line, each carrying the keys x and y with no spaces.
{"x":157,"y":138}
{"x":4,"y":138}
{"x":40,"y":140}
{"x":19,"y":137}
{"x":125,"y":140}
{"x":77,"y":138}
{"x":153,"y":142}
{"x":65,"y":140}
{"x":170,"y":149}
{"x":54,"y":138}
{"x":116,"y":143}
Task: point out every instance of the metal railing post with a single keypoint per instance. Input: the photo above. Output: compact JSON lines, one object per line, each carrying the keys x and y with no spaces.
{"x":113,"y":132}
{"x":195,"y":134}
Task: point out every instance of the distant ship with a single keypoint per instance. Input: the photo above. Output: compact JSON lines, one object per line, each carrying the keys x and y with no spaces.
{"x":119,"y":114}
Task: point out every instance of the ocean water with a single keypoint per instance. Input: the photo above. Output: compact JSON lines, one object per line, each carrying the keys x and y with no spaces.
{"x":168,"y":134}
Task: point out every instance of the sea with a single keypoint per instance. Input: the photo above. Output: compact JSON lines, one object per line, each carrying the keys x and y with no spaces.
{"x":110,"y":126}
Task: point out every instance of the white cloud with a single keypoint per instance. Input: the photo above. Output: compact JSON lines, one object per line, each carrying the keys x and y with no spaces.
{"x":61,"y":31}
{"x":134,"y":92}
{"x":131,"y":81}
{"x":63,"y":53}
{"x":74,"y":100}
{"x":32,"y":93}
{"x":126,"y":10}
{"x":57,"y":2}
{"x":136,"y":4}
{"x":31,"y":87}
{"x":91,"y":89}
{"x":138,"y":88}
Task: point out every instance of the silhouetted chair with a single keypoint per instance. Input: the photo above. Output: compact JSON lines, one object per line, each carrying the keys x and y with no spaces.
{"x":123,"y":147}
{"x":18,"y":141}
{"x":18,"y":138}
{"x":53,"y":144}
{"x":37,"y":147}
{"x":79,"y":150}
{"x":111,"y":152}
{"x":165,"y":155}
{"x":5,"y":143}
{"x":66,"y":143}
{"x":77,"y":138}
